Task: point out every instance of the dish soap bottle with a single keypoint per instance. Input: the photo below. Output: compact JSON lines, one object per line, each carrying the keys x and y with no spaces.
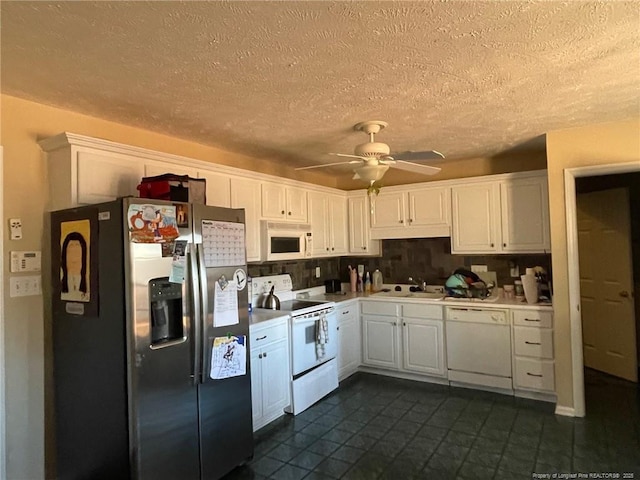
{"x":377,"y":281}
{"x":367,"y":283}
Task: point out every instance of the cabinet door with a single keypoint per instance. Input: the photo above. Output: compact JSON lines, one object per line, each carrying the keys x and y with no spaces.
{"x":218,"y":188}
{"x":296,"y":201}
{"x":525,"y":215}
{"x":349,"y":339}
{"x":273,"y":201}
{"x":103,"y":177}
{"x":337,"y":209}
{"x":423,"y":346}
{"x":245,"y":194}
{"x":429,"y":206}
{"x":317,"y":209}
{"x":275,"y":377}
{"x":358,"y":225}
{"x":388,"y":210}
{"x":380,"y":341}
{"x":475,"y":218}
{"x":256,"y":387}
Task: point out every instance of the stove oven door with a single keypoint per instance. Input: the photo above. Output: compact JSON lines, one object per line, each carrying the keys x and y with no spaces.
{"x":308,"y":348}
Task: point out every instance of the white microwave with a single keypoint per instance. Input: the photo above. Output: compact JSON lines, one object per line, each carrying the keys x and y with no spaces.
{"x":285,"y":241}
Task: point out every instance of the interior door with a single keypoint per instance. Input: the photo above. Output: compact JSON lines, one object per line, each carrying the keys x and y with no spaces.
{"x":606,"y":278}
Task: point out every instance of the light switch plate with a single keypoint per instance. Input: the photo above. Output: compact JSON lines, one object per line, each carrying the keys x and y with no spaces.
{"x":25,"y":286}
{"x":317,"y":272}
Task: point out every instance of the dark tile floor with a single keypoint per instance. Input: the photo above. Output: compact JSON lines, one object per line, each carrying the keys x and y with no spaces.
{"x":376,"y":427}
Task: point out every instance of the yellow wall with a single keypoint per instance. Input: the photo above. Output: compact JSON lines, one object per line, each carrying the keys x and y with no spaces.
{"x":579,"y":147}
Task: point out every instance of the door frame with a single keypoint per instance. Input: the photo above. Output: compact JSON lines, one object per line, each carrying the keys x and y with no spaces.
{"x":3,"y":372}
{"x":573,"y":270}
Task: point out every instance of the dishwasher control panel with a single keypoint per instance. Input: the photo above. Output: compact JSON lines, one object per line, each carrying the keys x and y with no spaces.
{"x":477,"y":315}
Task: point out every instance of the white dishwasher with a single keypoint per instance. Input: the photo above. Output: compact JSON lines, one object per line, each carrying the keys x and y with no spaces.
{"x":479,"y":346}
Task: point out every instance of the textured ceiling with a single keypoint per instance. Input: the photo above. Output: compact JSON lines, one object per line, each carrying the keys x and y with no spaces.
{"x":288,"y":80}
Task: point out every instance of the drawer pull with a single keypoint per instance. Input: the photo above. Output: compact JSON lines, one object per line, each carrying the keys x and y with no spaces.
{"x":532,"y":343}
{"x":534,"y":375}
{"x":261,"y":338}
{"x":531,"y":319}
{"x":346,"y":312}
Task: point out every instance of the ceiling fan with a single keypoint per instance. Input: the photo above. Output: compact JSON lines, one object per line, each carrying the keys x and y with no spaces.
{"x":374,"y":159}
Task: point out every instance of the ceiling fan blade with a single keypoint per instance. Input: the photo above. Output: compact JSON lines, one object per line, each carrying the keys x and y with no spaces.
{"x":428,"y":155}
{"x":416,"y":167}
{"x":326,"y":165}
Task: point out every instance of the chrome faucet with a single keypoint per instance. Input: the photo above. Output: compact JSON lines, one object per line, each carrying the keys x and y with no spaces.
{"x":421,"y":284}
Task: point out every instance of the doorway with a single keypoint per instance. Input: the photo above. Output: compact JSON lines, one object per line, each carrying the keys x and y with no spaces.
{"x":572,"y":177}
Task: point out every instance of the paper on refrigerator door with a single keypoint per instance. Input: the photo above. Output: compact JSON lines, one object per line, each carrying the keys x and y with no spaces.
{"x":229,"y":357}
{"x":225,"y":303}
{"x":224,"y":243}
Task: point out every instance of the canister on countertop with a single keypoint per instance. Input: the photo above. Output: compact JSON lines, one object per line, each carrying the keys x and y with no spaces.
{"x":519,"y":290}
{"x":377,"y":281}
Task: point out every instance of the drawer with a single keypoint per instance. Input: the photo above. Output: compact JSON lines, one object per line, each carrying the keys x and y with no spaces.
{"x":379,"y":308}
{"x":263,"y":336}
{"x":477,"y":315}
{"x":532,"y":318}
{"x":347,"y":313}
{"x":417,"y":310}
{"x":534,"y":374}
{"x":533,"y":342}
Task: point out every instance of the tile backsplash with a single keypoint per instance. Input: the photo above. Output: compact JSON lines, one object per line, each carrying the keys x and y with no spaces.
{"x":427,"y":259}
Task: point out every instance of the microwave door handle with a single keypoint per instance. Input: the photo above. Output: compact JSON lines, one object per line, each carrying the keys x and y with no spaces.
{"x":194,"y":294}
{"x":202,"y":276}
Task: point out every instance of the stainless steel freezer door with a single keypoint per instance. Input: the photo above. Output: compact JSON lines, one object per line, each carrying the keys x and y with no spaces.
{"x":164,"y":400}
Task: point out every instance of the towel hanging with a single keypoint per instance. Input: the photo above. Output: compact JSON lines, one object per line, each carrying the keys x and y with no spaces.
{"x":322,"y":336}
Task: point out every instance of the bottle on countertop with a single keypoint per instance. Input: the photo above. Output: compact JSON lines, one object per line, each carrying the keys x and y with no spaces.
{"x":353,"y":279}
{"x":367,"y":282}
{"x":377,"y":281}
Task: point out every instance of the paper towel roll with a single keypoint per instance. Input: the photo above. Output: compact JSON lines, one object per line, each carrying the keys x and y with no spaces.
{"x":530,"y":285}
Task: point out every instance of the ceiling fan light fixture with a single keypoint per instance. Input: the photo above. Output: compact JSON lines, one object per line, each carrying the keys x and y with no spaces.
{"x":370,"y":173}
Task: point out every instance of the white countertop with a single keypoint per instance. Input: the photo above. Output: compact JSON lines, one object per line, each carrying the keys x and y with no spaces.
{"x":259,"y":315}
{"x":500,"y":302}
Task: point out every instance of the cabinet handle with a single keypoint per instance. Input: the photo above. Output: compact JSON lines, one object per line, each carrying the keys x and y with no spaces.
{"x":332,"y":249}
{"x":411,"y":220}
{"x":532,"y":343}
{"x":393,"y":323}
{"x":364,"y":248}
{"x":327,"y":249}
{"x":282,"y":212}
{"x":492,"y":245}
{"x":534,"y":375}
{"x":404,"y":324}
{"x":260,"y":355}
{"x":401,"y":221}
{"x":504,"y":245}
{"x":346,"y":312}
{"x":337,"y":328}
{"x":264,"y":355}
{"x":531,"y":319}
{"x":289,"y":213}
{"x":261,"y":338}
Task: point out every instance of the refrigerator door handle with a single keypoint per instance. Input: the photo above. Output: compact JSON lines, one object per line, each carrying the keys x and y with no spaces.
{"x":202,"y":275}
{"x":194,"y":293}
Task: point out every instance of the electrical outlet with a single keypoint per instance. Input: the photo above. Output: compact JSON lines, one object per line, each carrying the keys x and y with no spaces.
{"x":15,"y":227}
{"x":317,"y":272}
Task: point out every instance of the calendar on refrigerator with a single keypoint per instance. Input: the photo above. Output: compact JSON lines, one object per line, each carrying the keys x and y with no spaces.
{"x":224,"y":243}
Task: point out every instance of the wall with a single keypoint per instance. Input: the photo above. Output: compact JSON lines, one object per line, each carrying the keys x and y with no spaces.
{"x":25,"y":195}
{"x":601,"y":144}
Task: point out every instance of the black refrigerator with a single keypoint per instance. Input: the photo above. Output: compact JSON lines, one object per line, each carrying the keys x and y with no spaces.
{"x":150,"y":341}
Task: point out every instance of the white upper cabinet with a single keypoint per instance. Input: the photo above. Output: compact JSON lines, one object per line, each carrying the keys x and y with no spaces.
{"x":360,"y":242}
{"x":411,"y":213}
{"x":501,"y":216}
{"x":245,"y":193}
{"x":281,"y":202}
{"x":525,"y":215}
{"x":153,"y":169}
{"x":327,"y":215}
{"x":218,"y":188}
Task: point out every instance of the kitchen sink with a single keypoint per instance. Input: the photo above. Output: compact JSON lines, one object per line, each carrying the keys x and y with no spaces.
{"x":426,"y":295}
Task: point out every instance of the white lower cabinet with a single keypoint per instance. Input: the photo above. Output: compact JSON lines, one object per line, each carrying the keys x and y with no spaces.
{"x":533,"y":356}
{"x":423,"y":339}
{"x":270,"y":392}
{"x":349,"y":340}
{"x":404,"y":336}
